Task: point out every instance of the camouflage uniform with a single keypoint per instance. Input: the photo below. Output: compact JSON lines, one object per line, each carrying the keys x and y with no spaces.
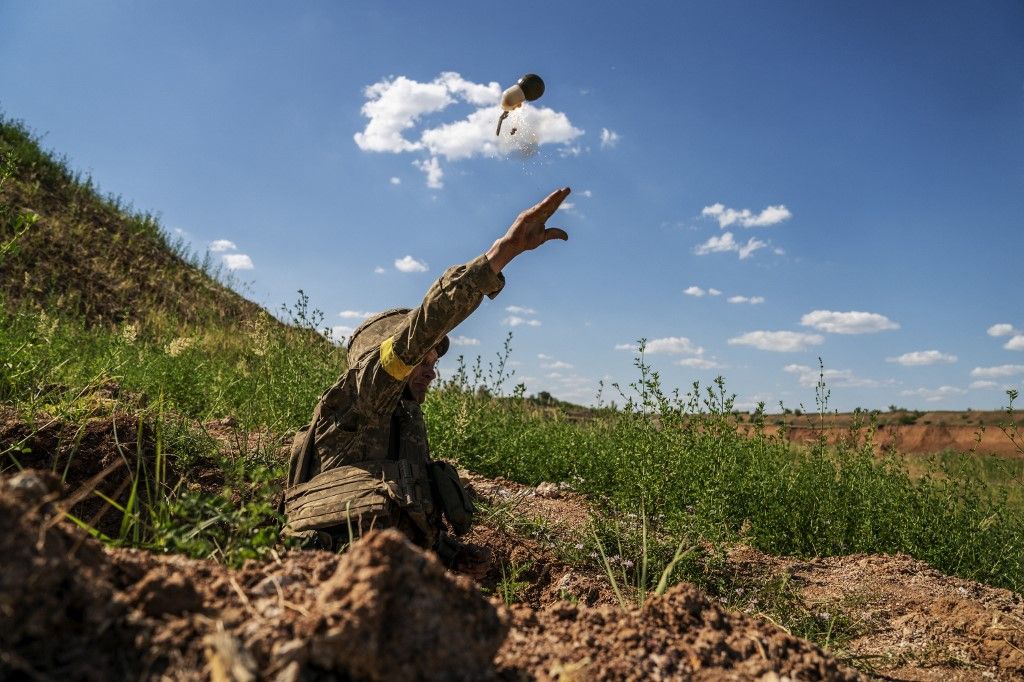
{"x":364,"y":460}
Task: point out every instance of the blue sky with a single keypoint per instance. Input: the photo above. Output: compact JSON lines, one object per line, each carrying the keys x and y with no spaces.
{"x":843,"y":180}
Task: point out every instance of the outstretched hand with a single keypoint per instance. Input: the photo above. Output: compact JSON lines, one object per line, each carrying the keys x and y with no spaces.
{"x":529,"y":231}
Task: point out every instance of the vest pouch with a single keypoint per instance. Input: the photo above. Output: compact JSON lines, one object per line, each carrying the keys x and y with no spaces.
{"x":451,"y":495}
{"x":343,"y":495}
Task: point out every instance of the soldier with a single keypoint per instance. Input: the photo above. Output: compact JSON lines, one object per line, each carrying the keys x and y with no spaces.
{"x":364,"y":462}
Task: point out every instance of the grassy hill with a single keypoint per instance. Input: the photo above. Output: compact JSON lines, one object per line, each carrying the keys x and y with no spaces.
{"x":92,"y":255}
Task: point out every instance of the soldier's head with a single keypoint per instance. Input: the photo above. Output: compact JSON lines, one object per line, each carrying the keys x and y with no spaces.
{"x":382,"y":326}
{"x":422,"y":375}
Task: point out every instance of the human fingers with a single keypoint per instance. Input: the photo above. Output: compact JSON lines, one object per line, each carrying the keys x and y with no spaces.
{"x":556,"y":233}
{"x":550,"y":203}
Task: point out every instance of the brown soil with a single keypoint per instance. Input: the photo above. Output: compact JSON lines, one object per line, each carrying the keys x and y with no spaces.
{"x":916,"y":439}
{"x":912,"y":622}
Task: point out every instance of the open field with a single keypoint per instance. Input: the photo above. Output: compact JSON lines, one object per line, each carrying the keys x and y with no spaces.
{"x":141,"y":458}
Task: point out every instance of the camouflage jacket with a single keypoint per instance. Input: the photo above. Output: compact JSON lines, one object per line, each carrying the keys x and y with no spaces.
{"x":367,"y":414}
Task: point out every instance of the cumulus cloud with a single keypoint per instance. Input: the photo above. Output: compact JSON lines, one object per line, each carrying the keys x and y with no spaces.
{"x":395,"y":180}
{"x":515,"y":321}
{"x":698,"y":363}
{"x":609,"y":138}
{"x":432,"y":169}
{"x":752,"y":300}
{"x":934,"y":394}
{"x":997,"y":372}
{"x":237,"y":261}
{"x":694,"y":291}
{"x":778,"y":341}
{"x":714,"y":292}
{"x":808,"y":377}
{"x":853,"y":322}
{"x":557,"y":364}
{"x":410,"y":264}
{"x":1016,"y":343}
{"x":353,"y":315}
{"x":923,"y":357}
{"x":982,"y":385}
{"x":726,"y":242}
{"x":520,"y":310}
{"x":771,"y":215}
{"x":395,"y":106}
{"x":587,"y":193}
{"x":219,"y":245}
{"x":379,"y":270}
{"x":1001,"y":329}
{"x":677,"y":345}
{"x":463,"y":341}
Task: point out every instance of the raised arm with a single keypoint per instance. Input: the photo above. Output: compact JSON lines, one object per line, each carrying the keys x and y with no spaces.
{"x":450,"y":300}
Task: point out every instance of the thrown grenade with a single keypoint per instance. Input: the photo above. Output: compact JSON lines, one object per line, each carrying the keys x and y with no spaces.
{"x":529,"y":88}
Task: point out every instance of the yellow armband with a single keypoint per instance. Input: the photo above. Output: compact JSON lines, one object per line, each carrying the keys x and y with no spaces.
{"x":393,"y":364}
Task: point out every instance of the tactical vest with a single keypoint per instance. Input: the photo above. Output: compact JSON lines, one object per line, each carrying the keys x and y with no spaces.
{"x":370,"y":492}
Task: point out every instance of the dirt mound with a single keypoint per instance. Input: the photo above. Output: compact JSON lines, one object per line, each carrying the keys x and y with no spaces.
{"x":912,"y":622}
{"x":391,"y":612}
{"x":57,"y":605}
{"x":682,"y":635}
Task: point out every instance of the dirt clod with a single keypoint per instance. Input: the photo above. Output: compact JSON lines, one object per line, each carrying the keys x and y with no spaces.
{"x":391,"y":612}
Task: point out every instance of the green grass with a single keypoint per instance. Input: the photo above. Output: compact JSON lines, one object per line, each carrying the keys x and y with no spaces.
{"x":682,"y":459}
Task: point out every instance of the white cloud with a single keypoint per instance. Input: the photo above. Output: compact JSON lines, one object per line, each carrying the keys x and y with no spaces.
{"x":474,"y":135}
{"x":410,"y":264}
{"x":238,"y":261}
{"x":1016,"y":343}
{"x":379,"y":270}
{"x":726,"y":242}
{"x":808,"y":377}
{"x":1001,"y":329}
{"x":771,"y":215}
{"x":218,"y":245}
{"x":340,"y":332}
{"x":609,"y":138}
{"x":694,"y":291}
{"x":997,"y":372}
{"x":464,"y":341}
{"x":557,"y":364}
{"x":853,"y":322}
{"x":515,"y":321}
{"x":714,"y":292}
{"x":432,"y":169}
{"x":520,"y":310}
{"x":780,"y":342}
{"x":395,"y":180}
{"x":923,"y":357}
{"x":982,"y":385}
{"x":587,"y":193}
{"x":543,"y":356}
{"x":566,"y":206}
{"x":679,"y":345}
{"x":699,"y":363}
{"x":934,"y":394}
{"x":394,"y":107}
{"x":752,"y":300}
{"x":353,"y":315}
